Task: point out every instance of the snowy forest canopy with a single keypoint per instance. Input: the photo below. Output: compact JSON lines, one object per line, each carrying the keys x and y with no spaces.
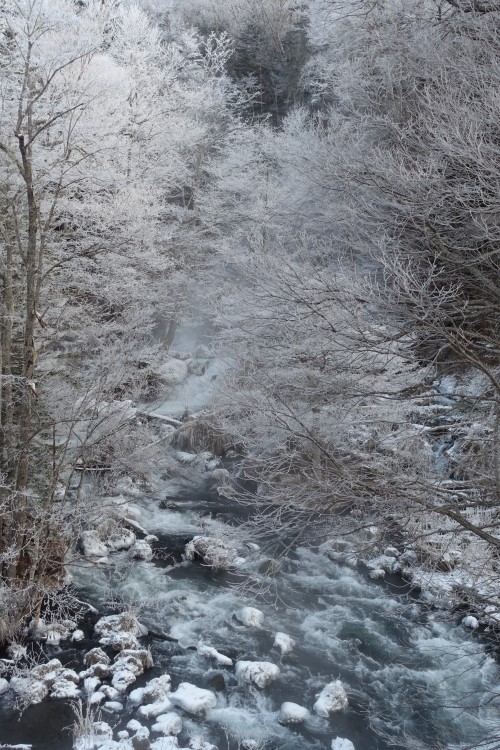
{"x":318,"y":185}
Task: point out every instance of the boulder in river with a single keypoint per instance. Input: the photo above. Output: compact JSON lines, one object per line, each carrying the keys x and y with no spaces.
{"x":192,"y":699}
{"x":292,"y":713}
{"x":250,"y":616}
{"x":340,"y":743}
{"x":211,"y":551}
{"x":258,"y":673}
{"x":332,"y":698}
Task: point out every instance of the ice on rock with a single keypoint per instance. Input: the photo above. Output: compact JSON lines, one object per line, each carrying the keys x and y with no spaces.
{"x":250,"y":616}
{"x":212,"y":653}
{"x":284,"y":642}
{"x":292,"y":713}
{"x":340,"y":743}
{"x":470,"y":622}
{"x":332,"y":698}
{"x":4,"y":685}
{"x":92,"y":545}
{"x":78,"y":635}
{"x":113,"y":706}
{"x":377,"y":573}
{"x":212,"y":551}
{"x":168,"y":724}
{"x":259,"y":673}
{"x":192,"y":699}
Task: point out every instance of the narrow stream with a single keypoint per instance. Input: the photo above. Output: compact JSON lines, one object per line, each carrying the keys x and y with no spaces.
{"x":414,"y":678}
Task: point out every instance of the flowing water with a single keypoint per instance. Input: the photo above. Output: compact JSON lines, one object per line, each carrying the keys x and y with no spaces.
{"x":413,"y":676}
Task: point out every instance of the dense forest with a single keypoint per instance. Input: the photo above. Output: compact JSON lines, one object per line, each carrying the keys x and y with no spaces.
{"x":315,"y":187}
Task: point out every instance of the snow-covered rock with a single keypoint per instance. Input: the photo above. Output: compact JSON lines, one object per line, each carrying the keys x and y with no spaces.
{"x":134,"y":725}
{"x":152,"y":710}
{"x":212,"y":653}
{"x":259,"y":673}
{"x":292,"y":713}
{"x":96,"y":656}
{"x":92,"y":545}
{"x":96,"y":698}
{"x":78,"y":635}
{"x":141,"y":550}
{"x":166,"y":743}
{"x":46,"y":671}
{"x":173,"y":371}
{"x":470,"y":622}
{"x":111,"y":693}
{"x":64,"y":688}
{"x":29,"y":690}
{"x":113,"y":706}
{"x":136,"y":697}
{"x":332,"y":698}
{"x":198,"y":743}
{"x":158,"y":687}
{"x":377,"y":573}
{"x":122,"y":539}
{"x":192,"y":699}
{"x":119,"y":631}
{"x":212,"y":551}
{"x":16,"y":651}
{"x":4,"y":685}
{"x":283,"y":642}
{"x":340,"y":743}
{"x":168,"y":724}
{"x":250,"y":616}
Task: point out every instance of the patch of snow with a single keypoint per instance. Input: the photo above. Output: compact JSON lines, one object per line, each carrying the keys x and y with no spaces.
{"x":4,"y":685}
{"x":124,"y":539}
{"x":113,"y":706}
{"x":259,"y":673}
{"x":331,"y":699}
{"x":192,"y":699}
{"x":292,"y":713}
{"x":78,"y":635}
